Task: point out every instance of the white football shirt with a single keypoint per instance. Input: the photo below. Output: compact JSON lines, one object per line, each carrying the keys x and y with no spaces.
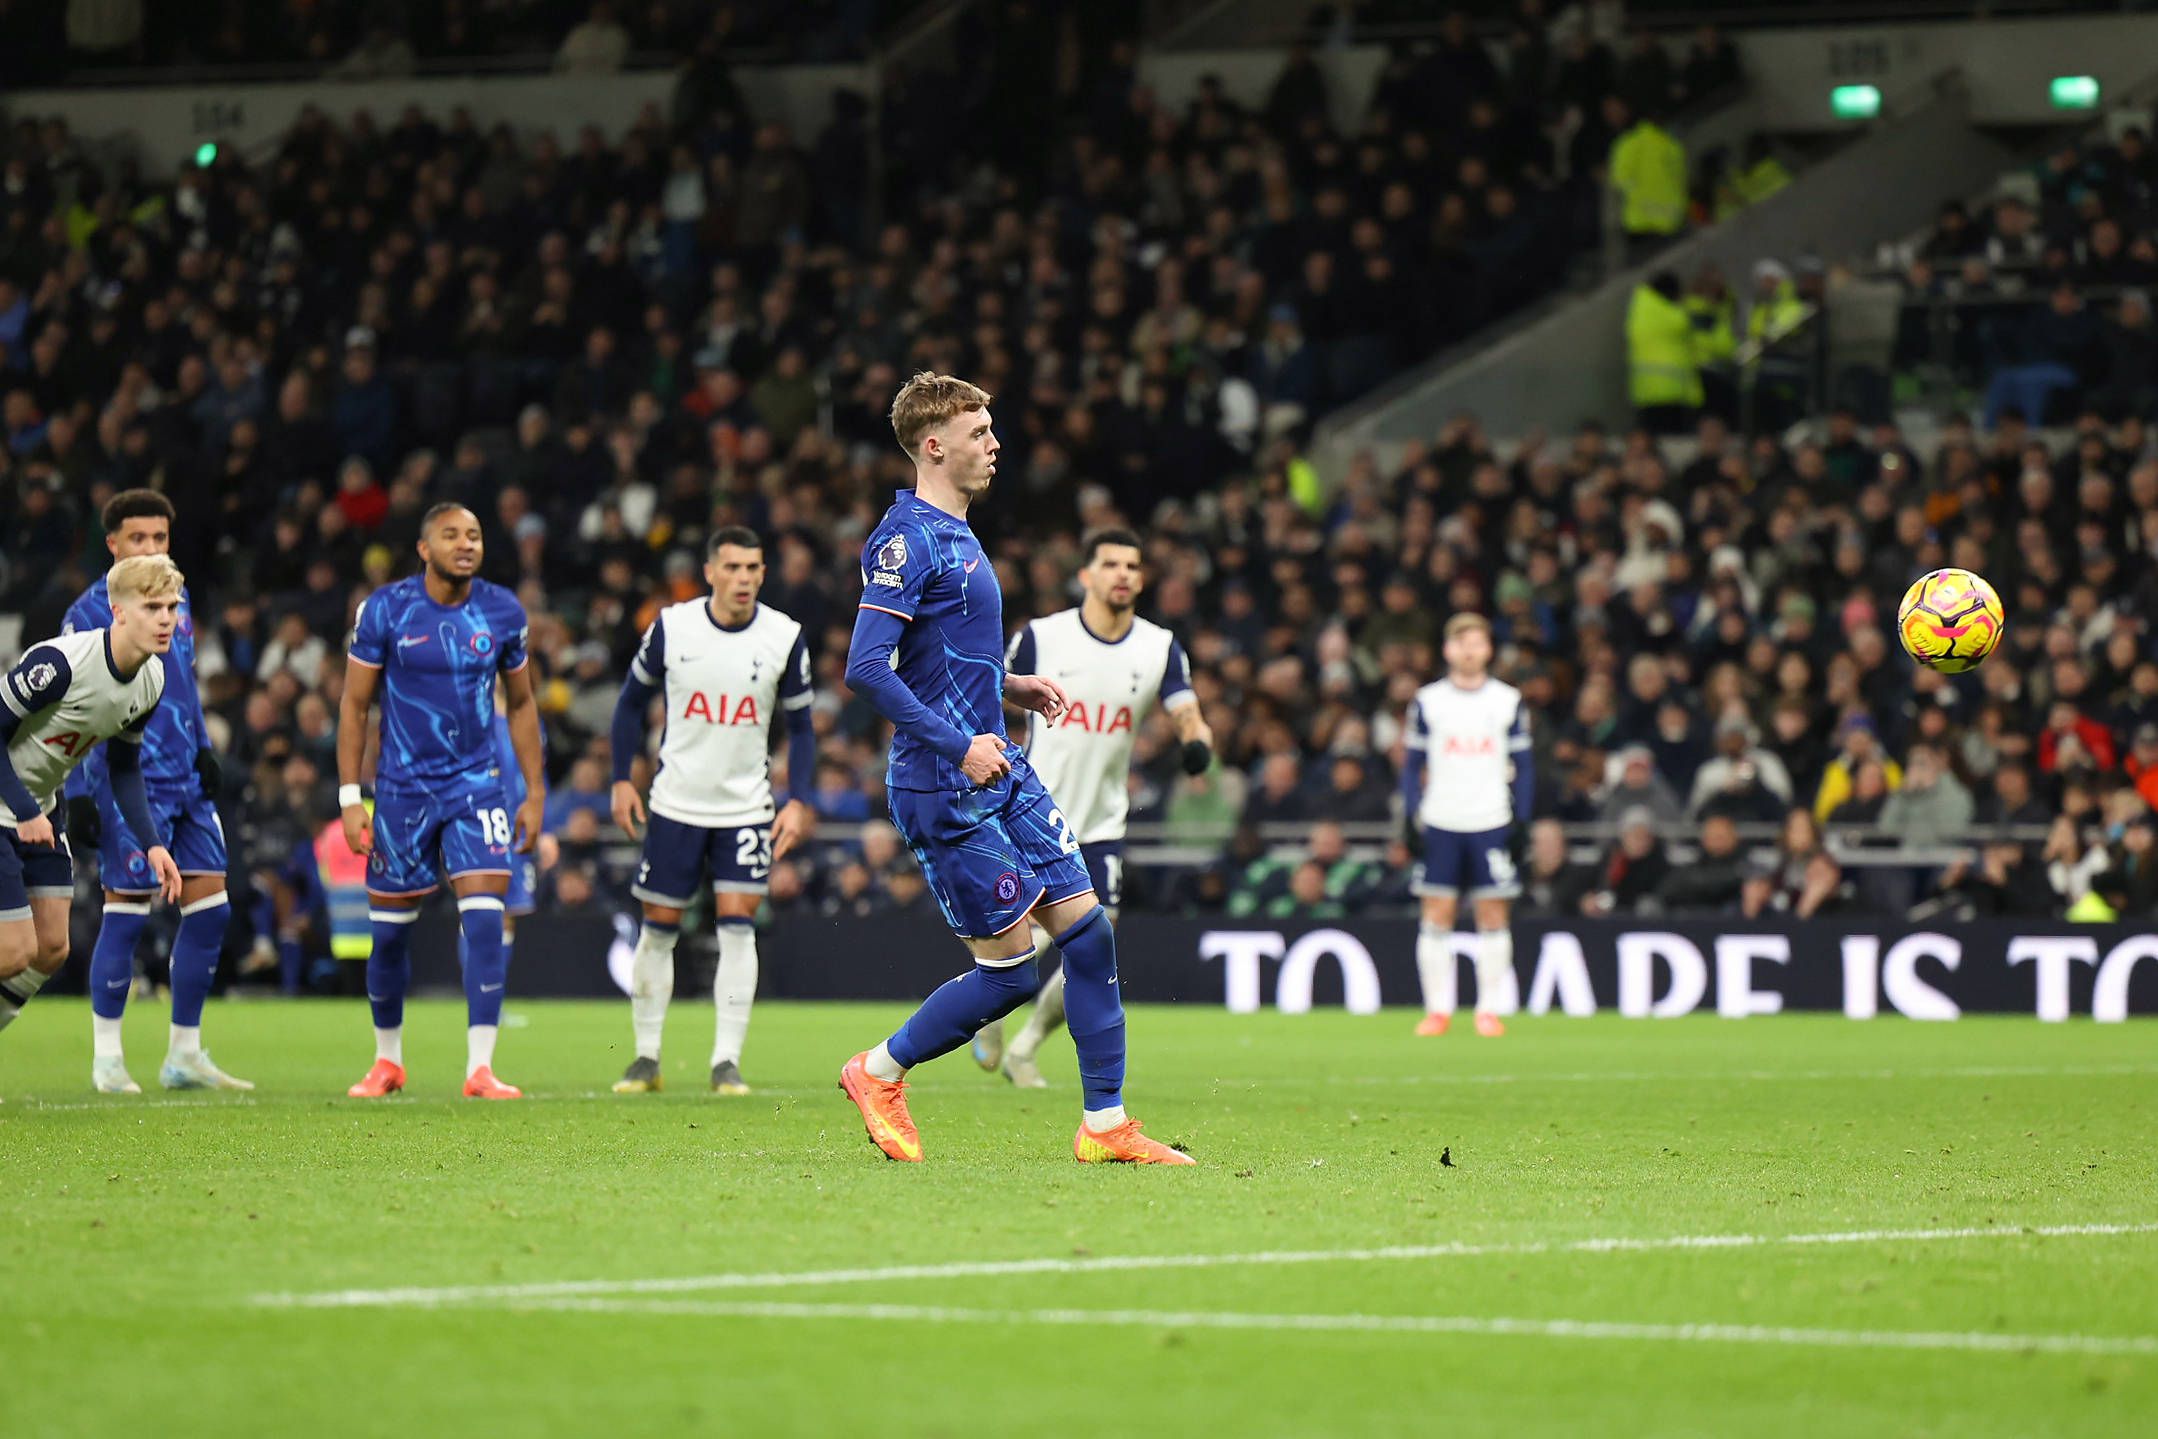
{"x":1469,"y":738}
{"x":67,"y":697}
{"x":722,"y":689}
{"x":1084,"y":757}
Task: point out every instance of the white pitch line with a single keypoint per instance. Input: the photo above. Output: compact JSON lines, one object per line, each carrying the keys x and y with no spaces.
{"x":1978,"y":1340}
{"x":415,"y":1297}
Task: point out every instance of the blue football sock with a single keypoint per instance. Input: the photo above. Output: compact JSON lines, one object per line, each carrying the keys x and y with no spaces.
{"x":1094,"y":1007}
{"x":389,"y":965}
{"x":112,"y":962}
{"x":487,"y":958}
{"x":949,"y":1017}
{"x":291,"y":965}
{"x":194,"y":956}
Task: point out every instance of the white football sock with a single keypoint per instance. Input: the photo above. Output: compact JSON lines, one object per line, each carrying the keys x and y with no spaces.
{"x":1435,"y":967}
{"x":1101,"y":1121}
{"x":479,"y":1047}
{"x":651,"y":985}
{"x":186,"y":1041}
{"x":105,"y":1038}
{"x":1048,"y":1011}
{"x":1497,"y":991}
{"x":390,"y":1045}
{"x":882,"y":1066}
{"x":734,"y":989}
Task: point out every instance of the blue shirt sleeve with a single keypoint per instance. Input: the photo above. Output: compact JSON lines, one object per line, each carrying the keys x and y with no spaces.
{"x":869,"y":670}
{"x":1522,"y":747}
{"x":86,"y":614}
{"x":38,"y":681}
{"x":1176,"y":674}
{"x":1413,"y":745}
{"x":1020,"y":658}
{"x":896,"y":568}
{"x":371,"y":630}
{"x":514,"y":653}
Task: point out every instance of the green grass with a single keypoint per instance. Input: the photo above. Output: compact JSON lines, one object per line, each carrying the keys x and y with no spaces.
{"x":139,"y":1231}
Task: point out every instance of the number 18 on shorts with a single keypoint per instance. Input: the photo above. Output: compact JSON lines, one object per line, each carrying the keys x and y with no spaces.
{"x":678,"y":857}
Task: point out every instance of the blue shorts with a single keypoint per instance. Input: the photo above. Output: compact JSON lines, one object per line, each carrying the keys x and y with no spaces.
{"x":459,"y":827}
{"x":33,"y":871}
{"x":187,"y":825}
{"x":1478,"y":864}
{"x":991,"y":855}
{"x":678,"y":856}
{"x":1105,"y":866}
{"x":523,"y":896}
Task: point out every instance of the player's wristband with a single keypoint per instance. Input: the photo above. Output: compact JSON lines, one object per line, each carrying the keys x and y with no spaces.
{"x":348,"y":796}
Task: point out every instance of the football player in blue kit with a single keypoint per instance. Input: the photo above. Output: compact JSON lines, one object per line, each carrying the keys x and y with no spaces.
{"x":180,"y":772}
{"x":430,"y":647}
{"x":928,"y":653}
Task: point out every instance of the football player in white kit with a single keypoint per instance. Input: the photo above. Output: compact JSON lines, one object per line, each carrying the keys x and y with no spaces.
{"x":1114,"y":667}
{"x":724,"y":665}
{"x":62,"y":698}
{"x":1468,"y":787}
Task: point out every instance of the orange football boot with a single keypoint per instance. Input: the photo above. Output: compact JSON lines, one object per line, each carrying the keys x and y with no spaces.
{"x":1433,"y":1025}
{"x":883,"y":1103}
{"x":1123,"y":1145}
{"x":382,"y":1081}
{"x":1490,"y":1026}
{"x":482,"y":1084}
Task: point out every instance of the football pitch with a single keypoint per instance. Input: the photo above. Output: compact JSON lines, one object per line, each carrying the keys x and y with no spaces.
{"x":1797,"y":1225}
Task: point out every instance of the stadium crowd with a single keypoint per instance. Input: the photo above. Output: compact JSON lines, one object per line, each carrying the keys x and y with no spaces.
{"x":607,"y":349}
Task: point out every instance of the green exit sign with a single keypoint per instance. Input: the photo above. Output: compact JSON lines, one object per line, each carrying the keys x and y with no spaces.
{"x":2075,"y":92}
{"x":1855,"y":102}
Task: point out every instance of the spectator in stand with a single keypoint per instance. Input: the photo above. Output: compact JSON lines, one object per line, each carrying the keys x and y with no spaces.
{"x":597,"y":46}
{"x":1635,"y":870}
{"x":1859,"y":744}
{"x":1635,"y":787}
{"x":1714,"y":879}
{"x":1932,"y":807}
{"x":1740,"y":773}
{"x":1648,"y":170}
{"x":1551,"y":883}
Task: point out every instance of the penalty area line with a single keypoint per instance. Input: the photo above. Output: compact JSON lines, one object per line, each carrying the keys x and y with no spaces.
{"x":1467,"y":1324}
{"x":421,"y":1298}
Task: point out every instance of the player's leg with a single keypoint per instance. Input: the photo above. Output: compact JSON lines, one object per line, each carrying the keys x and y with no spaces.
{"x":112,"y":976}
{"x":668,"y":873}
{"x":1093,"y":998}
{"x":1493,"y":886}
{"x":1105,"y":867}
{"x":988,"y":1047}
{"x":37,"y":887}
{"x":476,"y":836}
{"x":197,"y":841}
{"x":1438,"y":888}
{"x":986,"y":891}
{"x":401,"y":873}
{"x":740,"y":862}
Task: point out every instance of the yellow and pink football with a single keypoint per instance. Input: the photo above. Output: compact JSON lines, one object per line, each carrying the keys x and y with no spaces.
{"x":1950,"y":620}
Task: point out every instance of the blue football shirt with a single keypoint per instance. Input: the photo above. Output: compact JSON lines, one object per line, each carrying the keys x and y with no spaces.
{"x":176,"y":729}
{"x":438,"y":665}
{"x":926,"y":567}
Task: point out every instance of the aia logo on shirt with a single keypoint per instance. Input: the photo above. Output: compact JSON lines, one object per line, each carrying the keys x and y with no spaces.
{"x":720,"y":709}
{"x":1469,"y":745}
{"x":1099,"y":718}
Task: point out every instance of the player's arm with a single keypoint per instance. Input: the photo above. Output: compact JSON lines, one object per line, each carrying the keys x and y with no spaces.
{"x":38,"y":681}
{"x":625,"y":735}
{"x":1181,"y":703}
{"x":1414,"y":743}
{"x":1521,"y":748}
{"x":894,"y":577}
{"x":364,"y":659}
{"x":123,"y":761}
{"x":521,"y":706}
{"x":796,"y":818}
